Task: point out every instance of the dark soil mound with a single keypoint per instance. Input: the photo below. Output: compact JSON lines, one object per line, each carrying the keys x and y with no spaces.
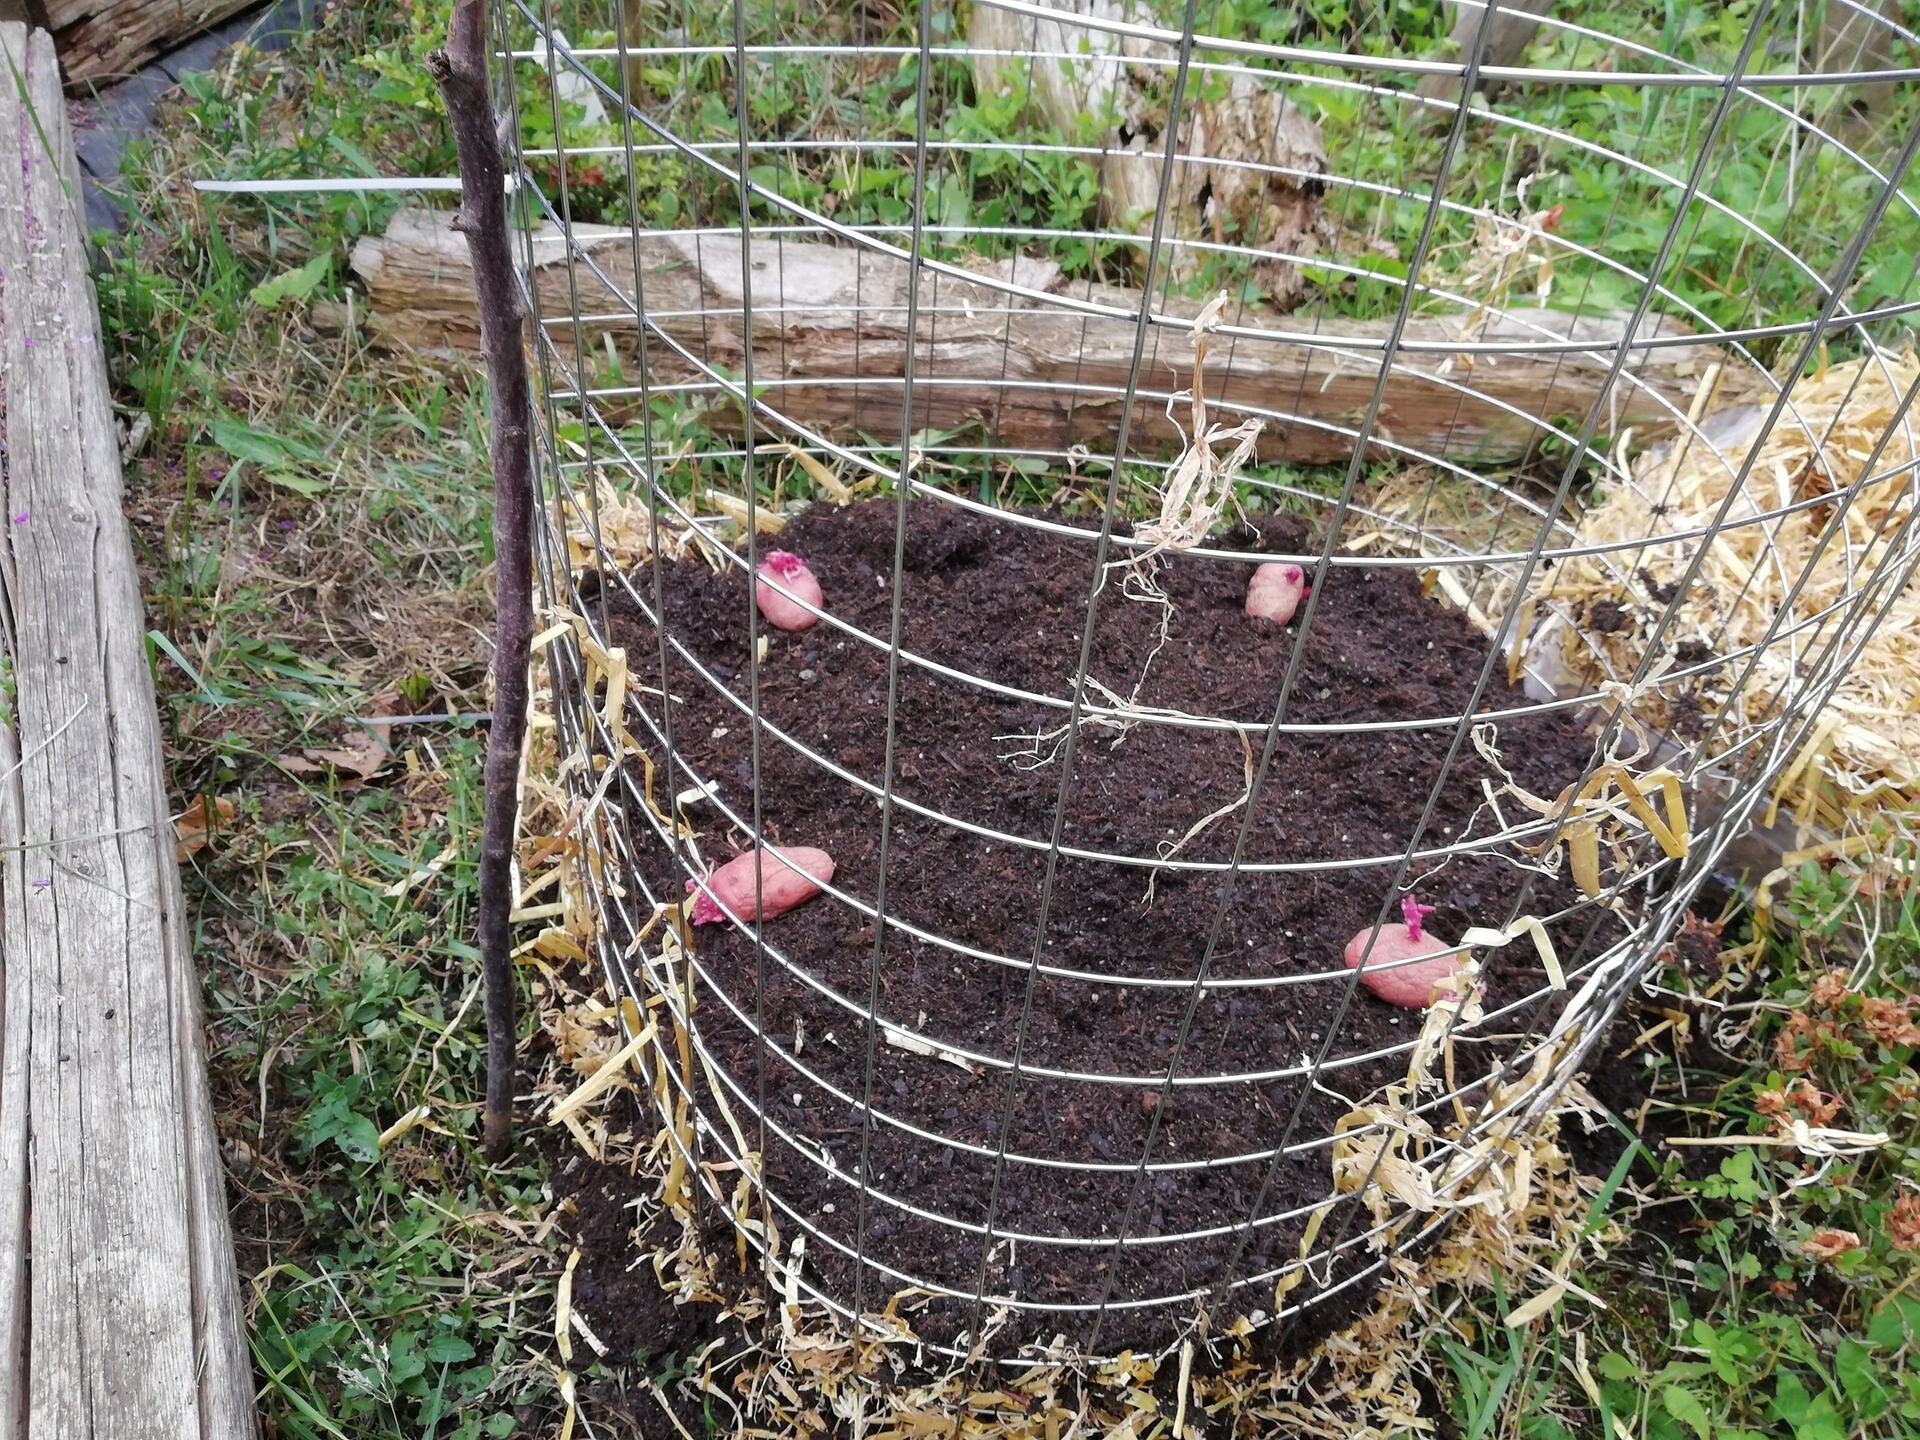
{"x":997,"y":599}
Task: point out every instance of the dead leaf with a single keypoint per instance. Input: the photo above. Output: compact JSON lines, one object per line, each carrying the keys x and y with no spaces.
{"x":363,"y":754}
{"x":1829,"y":1244}
{"x":361,"y":757}
{"x":191,"y":832}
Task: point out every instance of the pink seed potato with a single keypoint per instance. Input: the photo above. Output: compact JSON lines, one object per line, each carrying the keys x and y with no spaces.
{"x":1405,"y":963}
{"x":1275,"y":592}
{"x":781,"y":887}
{"x":790,"y":573}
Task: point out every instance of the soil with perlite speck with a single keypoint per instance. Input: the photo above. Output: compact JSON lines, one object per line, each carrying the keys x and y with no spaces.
{"x":1004,"y":602}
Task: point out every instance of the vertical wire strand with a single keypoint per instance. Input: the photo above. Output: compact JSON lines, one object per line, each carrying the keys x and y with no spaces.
{"x":750,"y":485}
{"x":1006,"y":357}
{"x":581,"y":354}
{"x":896,"y":617}
{"x":679,"y":861}
{"x":1622,"y":353}
{"x":1079,"y":687}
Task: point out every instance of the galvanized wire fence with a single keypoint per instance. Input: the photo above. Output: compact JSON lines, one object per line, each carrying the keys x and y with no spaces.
{"x":956,"y":266}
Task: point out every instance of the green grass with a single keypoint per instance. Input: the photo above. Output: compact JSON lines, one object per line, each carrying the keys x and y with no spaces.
{"x":314,"y":522}
{"x":1801,"y":1319}
{"x":1753,"y":1289}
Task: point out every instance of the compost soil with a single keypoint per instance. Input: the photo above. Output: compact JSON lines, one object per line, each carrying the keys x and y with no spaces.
{"x":1007,"y":603}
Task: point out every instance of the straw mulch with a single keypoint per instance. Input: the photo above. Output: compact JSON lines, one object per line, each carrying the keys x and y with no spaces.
{"x":1822,"y":509}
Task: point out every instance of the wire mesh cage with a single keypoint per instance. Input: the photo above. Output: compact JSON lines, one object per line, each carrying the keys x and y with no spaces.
{"x":1250,"y":560}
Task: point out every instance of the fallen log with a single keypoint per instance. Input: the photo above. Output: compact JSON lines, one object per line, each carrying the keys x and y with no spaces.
{"x":102,"y":40}
{"x":1020,"y":369}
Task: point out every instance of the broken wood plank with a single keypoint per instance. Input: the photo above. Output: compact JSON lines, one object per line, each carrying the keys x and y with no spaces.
{"x":1019,"y":370}
{"x":119,"y":1302}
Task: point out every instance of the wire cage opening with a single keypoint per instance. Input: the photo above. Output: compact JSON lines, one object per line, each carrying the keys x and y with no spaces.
{"x":1557,"y":393}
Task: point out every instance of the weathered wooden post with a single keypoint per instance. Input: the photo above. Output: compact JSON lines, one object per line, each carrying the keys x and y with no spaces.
{"x":119,"y":1303}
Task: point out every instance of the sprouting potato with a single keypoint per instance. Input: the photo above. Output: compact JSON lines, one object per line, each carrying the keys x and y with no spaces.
{"x":1405,"y":963}
{"x":782,"y":885}
{"x":788,"y":572}
{"x":1276,"y":591}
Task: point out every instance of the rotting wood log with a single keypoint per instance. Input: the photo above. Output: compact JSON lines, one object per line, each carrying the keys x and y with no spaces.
{"x":119,"y":1302}
{"x":1018,"y":370}
{"x":101,"y":41}
{"x":1258,"y":184}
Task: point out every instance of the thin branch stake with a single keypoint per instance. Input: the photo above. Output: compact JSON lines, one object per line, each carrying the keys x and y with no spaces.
{"x":460,"y":70}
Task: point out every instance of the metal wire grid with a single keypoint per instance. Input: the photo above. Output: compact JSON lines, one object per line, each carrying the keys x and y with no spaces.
{"x":582,"y":440}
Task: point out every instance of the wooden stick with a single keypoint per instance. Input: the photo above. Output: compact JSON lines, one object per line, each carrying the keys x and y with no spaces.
{"x":460,"y":70}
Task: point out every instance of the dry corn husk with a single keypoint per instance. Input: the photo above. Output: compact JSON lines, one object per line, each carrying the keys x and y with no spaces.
{"x":1864,"y":750}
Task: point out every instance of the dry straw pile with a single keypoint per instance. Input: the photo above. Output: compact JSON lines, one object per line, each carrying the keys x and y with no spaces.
{"x":1789,"y":528}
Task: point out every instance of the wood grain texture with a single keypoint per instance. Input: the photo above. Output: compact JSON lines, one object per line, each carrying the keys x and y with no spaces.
{"x":101,"y":41}
{"x":112,"y":1208}
{"x":829,"y":346}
